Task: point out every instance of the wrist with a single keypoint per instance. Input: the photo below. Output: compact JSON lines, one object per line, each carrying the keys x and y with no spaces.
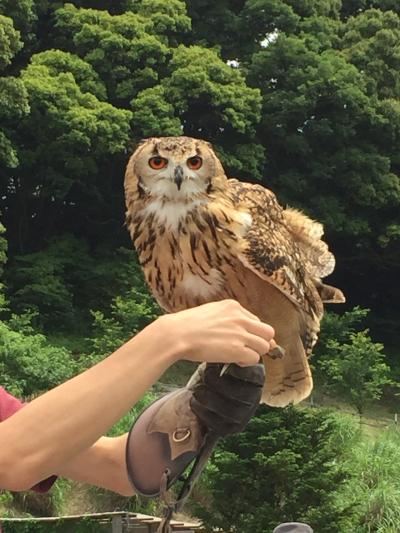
{"x":172,"y":337}
{"x":166,"y":339}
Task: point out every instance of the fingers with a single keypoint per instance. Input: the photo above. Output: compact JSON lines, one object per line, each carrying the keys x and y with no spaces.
{"x":257,"y":344}
{"x":265,"y":331}
{"x":248,"y":357}
{"x":272,"y":344}
{"x":234,"y":334}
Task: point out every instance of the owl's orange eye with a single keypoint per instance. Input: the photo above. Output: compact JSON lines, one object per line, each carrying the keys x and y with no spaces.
{"x":195,"y":162}
{"x":157,"y":162}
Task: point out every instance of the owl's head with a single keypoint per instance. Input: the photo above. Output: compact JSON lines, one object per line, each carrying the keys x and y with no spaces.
{"x":174,"y":168}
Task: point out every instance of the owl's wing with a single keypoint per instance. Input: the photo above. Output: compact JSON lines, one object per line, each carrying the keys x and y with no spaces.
{"x":318,"y":260}
{"x":270,"y":249}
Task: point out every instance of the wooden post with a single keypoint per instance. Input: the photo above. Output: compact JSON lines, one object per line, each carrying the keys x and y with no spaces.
{"x":116,"y":524}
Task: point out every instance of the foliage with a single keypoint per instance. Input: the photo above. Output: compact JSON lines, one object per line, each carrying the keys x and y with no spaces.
{"x":65,"y":279}
{"x":356,"y":370}
{"x":283,"y":467}
{"x":22,"y":12}
{"x":129,"y":314}
{"x":13,"y":97}
{"x":5,"y":503}
{"x":29,"y":365}
{"x":10,"y":42}
{"x":374,"y":490}
{"x":3,"y":259}
{"x":339,"y":327}
{"x":348,"y":363}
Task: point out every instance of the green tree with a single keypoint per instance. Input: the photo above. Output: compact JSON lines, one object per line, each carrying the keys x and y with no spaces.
{"x":356,"y":371}
{"x":129,"y":314}
{"x":347,"y":363}
{"x":13,"y":97}
{"x":22,"y":12}
{"x":316,"y":119}
{"x":29,"y":365}
{"x":330,"y":126}
{"x":371,"y":42}
{"x":65,"y":280}
{"x":10,"y":41}
{"x":287,"y":465}
{"x":171,"y":89}
{"x":3,"y":259}
{"x":124,"y":49}
{"x":64,"y":142}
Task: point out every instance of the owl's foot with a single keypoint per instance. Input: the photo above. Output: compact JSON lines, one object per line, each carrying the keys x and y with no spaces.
{"x":277,"y":352}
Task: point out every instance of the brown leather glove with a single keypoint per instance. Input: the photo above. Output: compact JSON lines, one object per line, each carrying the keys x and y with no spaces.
{"x":170,"y":433}
{"x":225,"y":404}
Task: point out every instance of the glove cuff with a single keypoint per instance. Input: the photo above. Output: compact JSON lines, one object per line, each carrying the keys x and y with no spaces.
{"x":163,"y":441}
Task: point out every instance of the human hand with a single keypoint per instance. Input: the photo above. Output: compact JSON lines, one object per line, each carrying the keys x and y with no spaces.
{"x":219,"y":332}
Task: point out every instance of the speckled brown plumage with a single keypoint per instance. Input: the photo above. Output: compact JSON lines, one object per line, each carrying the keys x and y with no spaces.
{"x":213,"y":238}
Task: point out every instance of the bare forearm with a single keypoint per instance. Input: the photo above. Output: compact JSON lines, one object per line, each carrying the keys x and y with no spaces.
{"x":103,"y":465}
{"x":44,"y":436}
{"x":60,"y":424}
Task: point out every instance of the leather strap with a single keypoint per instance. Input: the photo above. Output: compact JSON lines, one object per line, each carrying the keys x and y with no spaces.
{"x":207,"y":448}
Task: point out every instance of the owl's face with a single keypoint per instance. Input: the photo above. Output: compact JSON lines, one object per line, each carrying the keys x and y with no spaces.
{"x":175,"y":168}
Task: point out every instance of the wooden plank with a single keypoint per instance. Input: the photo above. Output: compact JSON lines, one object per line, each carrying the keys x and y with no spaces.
{"x":115,"y":518}
{"x":70,"y":517}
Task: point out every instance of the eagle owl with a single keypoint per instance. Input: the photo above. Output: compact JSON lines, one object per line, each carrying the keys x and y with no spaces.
{"x":202,"y":237}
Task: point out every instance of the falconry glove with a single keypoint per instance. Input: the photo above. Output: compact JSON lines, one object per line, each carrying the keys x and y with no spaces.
{"x":184,"y":425}
{"x":225,"y":403}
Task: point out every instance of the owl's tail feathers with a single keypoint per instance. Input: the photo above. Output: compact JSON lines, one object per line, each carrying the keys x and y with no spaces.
{"x":288,"y":379}
{"x":329,"y":294}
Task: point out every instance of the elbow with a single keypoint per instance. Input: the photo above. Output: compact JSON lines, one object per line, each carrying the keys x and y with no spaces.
{"x":11,"y":480}
{"x":16,"y":475}
{"x":126,"y":490}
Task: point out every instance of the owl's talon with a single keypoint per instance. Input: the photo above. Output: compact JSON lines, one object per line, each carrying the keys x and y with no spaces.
{"x":277,"y":353}
{"x":223,"y":370}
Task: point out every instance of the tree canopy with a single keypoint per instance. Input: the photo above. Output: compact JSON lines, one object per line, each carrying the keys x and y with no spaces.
{"x":302,"y":96}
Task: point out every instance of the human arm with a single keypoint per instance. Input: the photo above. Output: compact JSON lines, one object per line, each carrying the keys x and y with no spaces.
{"x":56,"y":427}
{"x":102,"y":465}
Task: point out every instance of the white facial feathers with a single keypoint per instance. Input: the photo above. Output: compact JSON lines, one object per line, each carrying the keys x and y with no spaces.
{"x":170,"y":213}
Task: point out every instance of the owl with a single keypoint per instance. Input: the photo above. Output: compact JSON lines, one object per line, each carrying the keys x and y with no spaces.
{"x":201,"y":236}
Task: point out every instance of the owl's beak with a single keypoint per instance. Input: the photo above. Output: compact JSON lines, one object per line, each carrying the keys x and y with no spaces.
{"x":178,"y":176}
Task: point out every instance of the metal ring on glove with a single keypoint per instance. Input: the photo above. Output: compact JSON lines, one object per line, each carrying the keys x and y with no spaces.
{"x":181,"y":439}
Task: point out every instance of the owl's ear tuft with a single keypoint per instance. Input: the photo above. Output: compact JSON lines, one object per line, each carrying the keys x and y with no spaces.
{"x":138,"y":143}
